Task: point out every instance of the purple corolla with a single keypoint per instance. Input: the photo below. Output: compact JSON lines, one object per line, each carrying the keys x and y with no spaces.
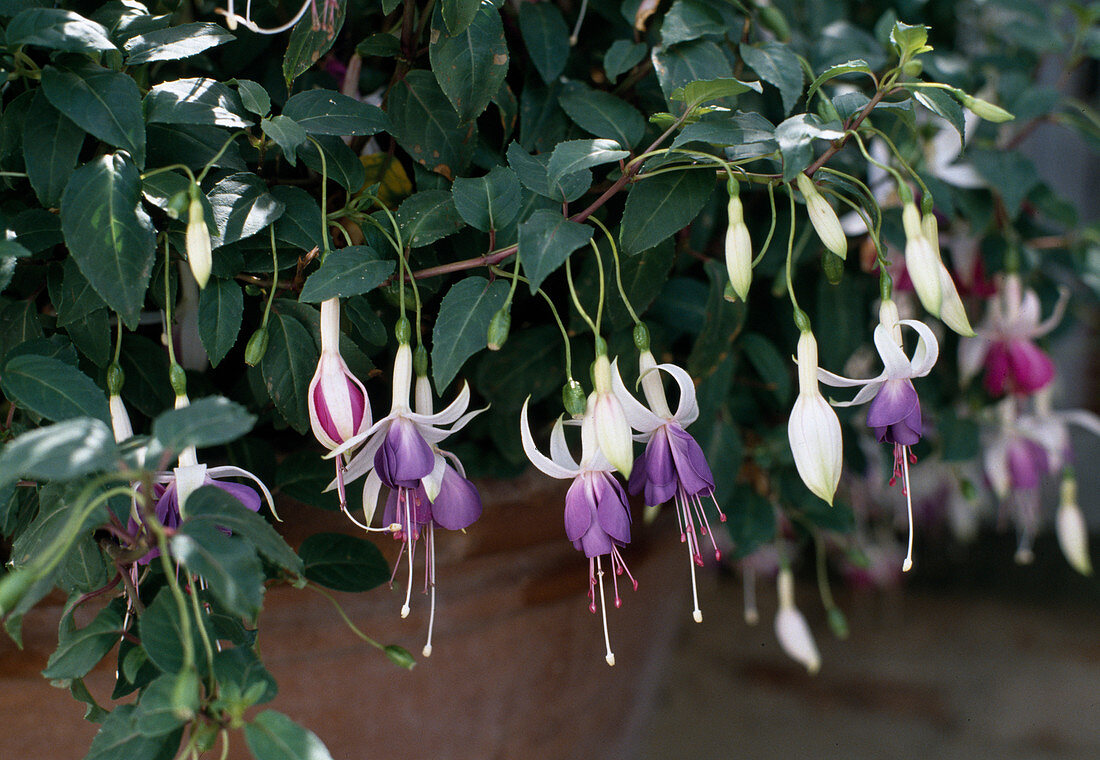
{"x":894,"y":412}
{"x":672,"y":467}
{"x":597,"y":518}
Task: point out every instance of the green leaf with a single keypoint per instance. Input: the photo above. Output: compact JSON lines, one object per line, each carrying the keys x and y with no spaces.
{"x":327,"y":112}
{"x":490,"y":202}
{"x":542,"y":123}
{"x":119,"y":737}
{"x":533,"y":173}
{"x":64,"y":451}
{"x":603,"y":114}
{"x":254,"y":97}
{"x":300,"y":224}
{"x":104,"y":103}
{"x":739,"y":130}
{"x":621,"y":57}
{"x":228,"y":564}
{"x":343,"y":563}
{"x":722,"y":325}
{"x":57,"y":29}
{"x":287,"y":134}
{"x":242,"y":206}
{"x":909,"y":40}
{"x":1010,"y":173}
{"x":53,"y":389}
{"x":307,"y":44}
{"x":689,"y":62}
{"x":546,"y":37}
{"x":221,"y":309}
{"x":19,"y":322}
{"x":687,"y":20}
{"x":302,"y":475}
{"x":109,"y":235}
{"x":705,"y":90}
{"x":460,"y":330}
{"x":79,"y":691}
{"x":470,"y":66}
{"x":78,"y":650}
{"x":197,"y":100}
{"x":795,"y":137}
{"x":241,"y":667}
{"x":72,"y":295}
{"x":347,"y":272}
{"x":147,"y":387}
{"x":273,"y":736}
{"x":342,"y":162}
{"x":545,"y":241}
{"x":37,"y":229}
{"x":210,"y":421}
{"x":386,"y":45}
{"x":428,"y":216}
{"x":660,"y":206}
{"x":857,"y":66}
{"x":287,"y":367}
{"x":722,"y":447}
{"x":459,"y":13}
{"x":213,"y":506}
{"x":167,"y":703}
{"x":193,"y":145}
{"x":777,"y":65}
{"x":85,"y":567}
{"x":750,"y":520}
{"x":160,"y":629}
{"x":941,"y":103}
{"x":576,"y":155}
{"x":643,"y":277}
{"x":175,"y":43}
{"x":528,"y":364}
{"x":769,"y":364}
{"x":51,"y":145}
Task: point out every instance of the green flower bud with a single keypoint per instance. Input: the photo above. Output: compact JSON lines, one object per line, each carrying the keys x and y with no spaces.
{"x":115,"y":378}
{"x":399,"y":656}
{"x":573,"y":396}
{"x":256,"y":348}
{"x":833,"y":266}
{"x":420,"y":361}
{"x":838,"y":623}
{"x":402,"y":330}
{"x":641,"y":337}
{"x":985,"y":109}
{"x":498,"y":329}
{"x":913,"y":68}
{"x":178,"y":378}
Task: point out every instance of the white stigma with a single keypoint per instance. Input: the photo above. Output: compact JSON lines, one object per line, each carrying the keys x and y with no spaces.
{"x":427,"y":650}
{"x":748,"y":579}
{"x":610,"y":656}
{"x":697,"y":614}
{"x":907,"y":565}
{"x":405,"y":610}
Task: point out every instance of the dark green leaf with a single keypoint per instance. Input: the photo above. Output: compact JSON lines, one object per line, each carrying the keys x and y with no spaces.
{"x":73,"y":296}
{"x":386,"y":45}
{"x":741,"y":129}
{"x":300,"y":224}
{"x":428,"y":216}
{"x":19,"y":322}
{"x":51,"y":144}
{"x":167,"y":703}
{"x":470,"y":65}
{"x":722,"y":447}
{"x":722,"y":325}
{"x":661,"y":206}
{"x":603,"y":114}
{"x":460,"y":330}
{"x":576,"y":155}
{"x":147,"y":387}
{"x":706,"y":90}
{"x":213,"y":506}
{"x":533,"y":173}
{"x":643,"y":277}
{"x":690,"y":62}
{"x":37,"y":229}
{"x":342,"y":162}
{"x":85,"y":568}
{"x":777,"y":65}
{"x":542,"y":123}
{"x":795,"y":137}
{"x":1011,"y":173}
{"x":242,"y":206}
{"x":241,"y":667}
{"x":221,"y":308}
{"x":287,"y":367}
{"x":57,"y":29}
{"x":546,"y":37}
{"x":750,"y":520}
{"x":192,"y":145}
{"x":459,"y":13}
{"x":254,"y":97}
{"x":175,"y":43}
{"x":273,"y":736}
{"x":93,"y":713}
{"x":104,"y":103}
{"x":347,"y":272}
{"x":490,"y":202}
{"x":529,"y":363}
{"x":303,"y":476}
{"x":941,"y":103}
{"x":848,"y":67}
{"x":545,"y":241}
{"x":344,"y":563}
{"x":109,"y":235}
{"x":769,"y":364}
{"x":210,"y":421}
{"x":286,"y":133}
{"x":198,"y":100}
{"x":52,"y":388}
{"x":120,"y":738}
{"x":308,"y":43}
{"x":327,"y":112}
{"x":160,"y":628}
{"x":228,"y":564}
{"x":621,"y":57}
{"x":365,"y":319}
{"x":78,"y":650}
{"x":687,"y":20}
{"x":54,"y":347}
{"x":64,"y":451}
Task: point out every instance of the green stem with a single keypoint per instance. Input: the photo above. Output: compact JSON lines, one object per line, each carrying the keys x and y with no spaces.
{"x":274,"y":279}
{"x":168,"y":303}
{"x":577,"y":301}
{"x":324,"y":199}
{"x":118,"y":338}
{"x":618,"y":268}
{"x":344,"y":616}
{"x":170,"y":168}
{"x":771,"y":229}
{"x":599,"y":267}
{"x":790,"y":255}
{"x":206,"y":645}
{"x":225,"y":146}
{"x":901,"y":160}
{"x":154,"y":526}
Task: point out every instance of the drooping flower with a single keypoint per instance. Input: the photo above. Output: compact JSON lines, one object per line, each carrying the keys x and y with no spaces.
{"x":1005,"y":341}
{"x":611,"y":428}
{"x":813,"y":428}
{"x":672,"y":467}
{"x":791,"y":628}
{"x":894,"y":412}
{"x":597,"y":518}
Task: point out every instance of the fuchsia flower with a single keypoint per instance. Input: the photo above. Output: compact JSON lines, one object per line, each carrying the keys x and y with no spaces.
{"x":597,"y":518}
{"x":339,"y":408}
{"x":672,"y":467}
{"x":1005,"y":341}
{"x":894,"y":413}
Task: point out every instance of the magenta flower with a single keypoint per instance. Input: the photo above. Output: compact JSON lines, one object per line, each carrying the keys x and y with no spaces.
{"x":1005,"y":341}
{"x":597,"y":518}
{"x":894,"y":412}
{"x":672,"y":467}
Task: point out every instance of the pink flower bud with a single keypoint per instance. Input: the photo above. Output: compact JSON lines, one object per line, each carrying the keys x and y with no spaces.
{"x":339,"y":408}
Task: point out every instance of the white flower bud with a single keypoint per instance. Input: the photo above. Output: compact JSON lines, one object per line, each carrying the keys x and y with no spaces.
{"x":1073,"y":533}
{"x":612,"y":429}
{"x":813,"y":428}
{"x":198,"y":243}
{"x":921,"y":261}
{"x":791,"y":628}
{"x":823,"y":218}
{"x":738,"y":249}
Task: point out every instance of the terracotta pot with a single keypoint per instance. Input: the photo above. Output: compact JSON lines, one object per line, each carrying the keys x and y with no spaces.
{"x":518,"y":665}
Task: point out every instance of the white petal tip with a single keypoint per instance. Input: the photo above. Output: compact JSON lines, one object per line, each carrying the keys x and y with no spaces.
{"x":405,"y":610}
{"x":752,"y":617}
{"x":697,"y":616}
{"x":1024,"y":557}
{"x":610,"y":659}
{"x":813,"y":667}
